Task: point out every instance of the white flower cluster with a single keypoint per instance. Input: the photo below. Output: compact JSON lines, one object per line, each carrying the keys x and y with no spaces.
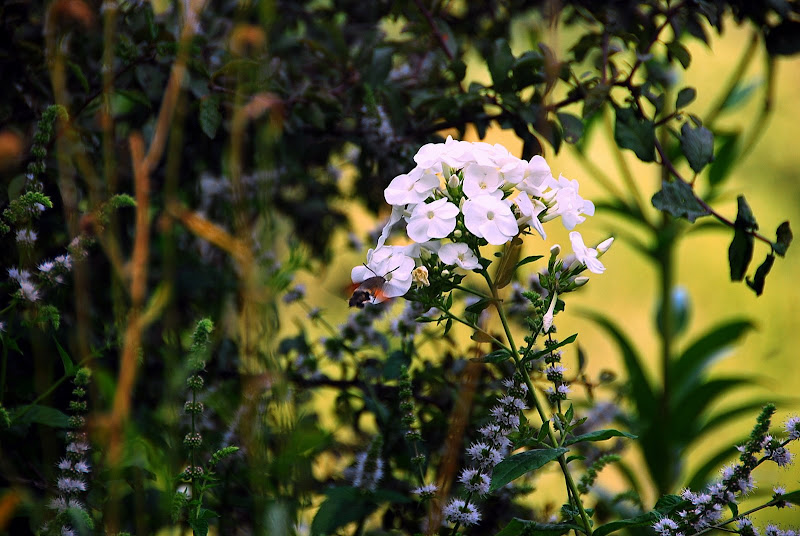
{"x":462,"y":195}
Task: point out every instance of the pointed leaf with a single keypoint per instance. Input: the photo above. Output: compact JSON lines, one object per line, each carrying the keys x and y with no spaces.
{"x":522,"y":463}
{"x":678,"y":199}
{"x":792,"y":497}
{"x":697,"y":144}
{"x":572,"y":126}
{"x":726,"y":156}
{"x":637,"y":135}
{"x":643,"y":395}
{"x":479,"y":306}
{"x":757,"y":283}
{"x":498,"y":356}
{"x":521,"y":527}
{"x":542,"y":353}
{"x":784,"y":233}
{"x":685,"y":96}
{"x":598,"y":435}
{"x":209,"y":116}
{"x":530,"y":258}
{"x":481,"y":336}
{"x":665,"y":506}
{"x":690,"y":366}
{"x":688,"y":409}
{"x":508,"y":262}
{"x":69,"y":366}
{"x":740,"y":252}
{"x":342,"y":506}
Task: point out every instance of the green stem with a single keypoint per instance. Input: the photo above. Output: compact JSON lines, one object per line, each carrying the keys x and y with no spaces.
{"x":534,"y":399}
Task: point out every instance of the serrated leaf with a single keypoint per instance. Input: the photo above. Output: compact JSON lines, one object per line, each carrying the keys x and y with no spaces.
{"x":598,"y":435}
{"x":784,"y":234}
{"x":685,"y":97}
{"x":519,"y":464}
{"x":757,"y":283}
{"x":678,"y":199}
{"x":572,"y":127}
{"x":542,"y":353}
{"x":521,"y":527}
{"x":635,"y":134}
{"x":697,"y":144}
{"x":209,"y":115}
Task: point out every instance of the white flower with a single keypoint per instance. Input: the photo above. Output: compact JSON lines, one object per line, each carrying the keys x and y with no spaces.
{"x":482,"y":180}
{"x":413,"y":187}
{"x":529,"y":211}
{"x":389,"y":263}
{"x":547,"y":319}
{"x":490,"y":218}
{"x":475,"y":481}
{"x":460,"y":254}
{"x":568,"y":204}
{"x":458,"y":511}
{"x":535,"y":176}
{"x":432,"y":220}
{"x":26,"y":236}
{"x":428,"y":490}
{"x":586,"y":255}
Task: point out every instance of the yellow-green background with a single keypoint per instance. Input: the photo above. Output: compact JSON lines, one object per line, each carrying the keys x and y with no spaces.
{"x":627,"y":291}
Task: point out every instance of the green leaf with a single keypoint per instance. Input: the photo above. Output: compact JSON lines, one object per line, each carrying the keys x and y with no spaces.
{"x":792,"y":497}
{"x":739,"y":95}
{"x":635,"y":134}
{"x":69,"y":366}
{"x":209,"y":116}
{"x":542,"y":353}
{"x":726,"y":156}
{"x":522,"y":527}
{"x":530,"y":258}
{"x":697,"y":144}
{"x":498,"y":356}
{"x":598,"y":435}
{"x":522,"y":463}
{"x":784,"y":233}
{"x":40,"y":415}
{"x":500,"y":61}
{"x":740,"y":252}
{"x":572,"y":127}
{"x":643,"y":395}
{"x":479,"y":306}
{"x":783,"y":39}
{"x":78,"y":72}
{"x":342,"y":506}
{"x":677,"y":51}
{"x":685,"y":97}
{"x":757,"y":283}
{"x":689,"y":408}
{"x":689,"y":368}
{"x":678,"y":199}
{"x":508,"y":262}
{"x":665,"y":506}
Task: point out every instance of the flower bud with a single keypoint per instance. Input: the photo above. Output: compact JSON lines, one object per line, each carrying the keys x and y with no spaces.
{"x":547,"y":319}
{"x":603,"y":246}
{"x":445,"y":273}
{"x":580,"y":281}
{"x":453,"y":182}
{"x":458,"y":233}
